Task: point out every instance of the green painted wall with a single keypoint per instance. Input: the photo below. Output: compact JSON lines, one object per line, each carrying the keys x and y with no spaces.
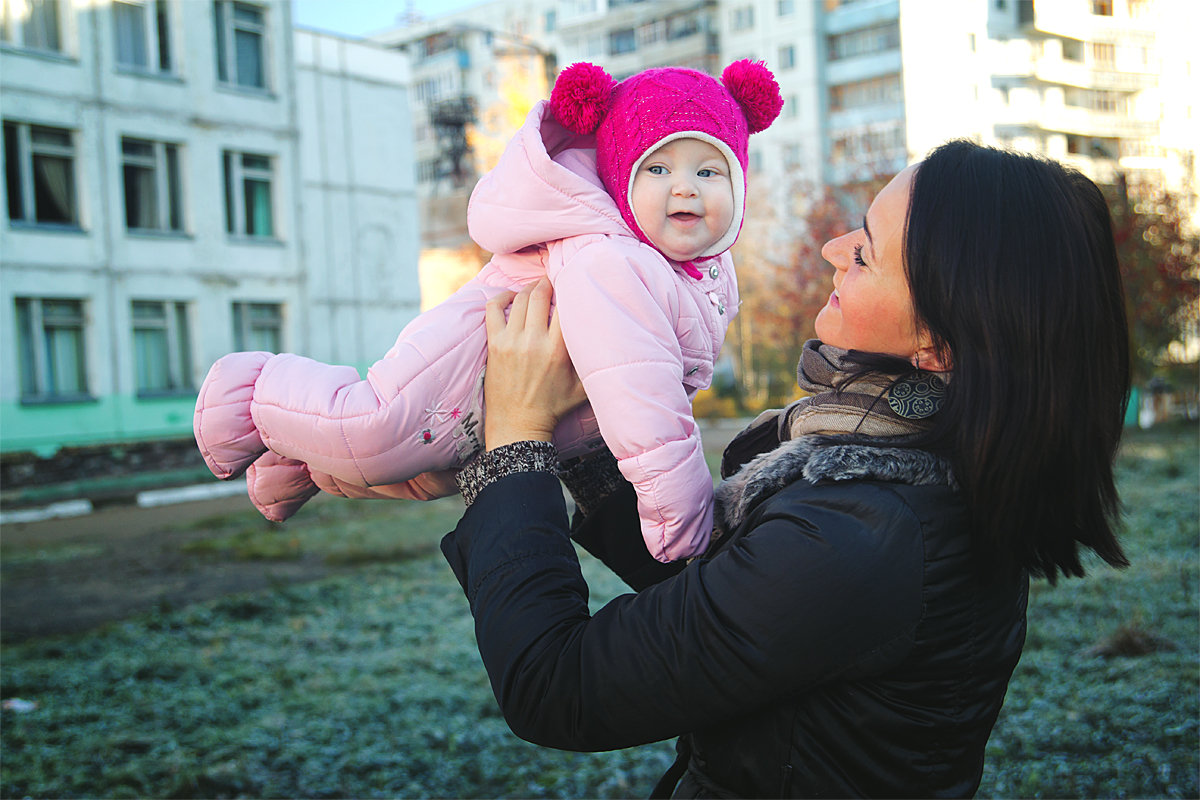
{"x":45,"y":429}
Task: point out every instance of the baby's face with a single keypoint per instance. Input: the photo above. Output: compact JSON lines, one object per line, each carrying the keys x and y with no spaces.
{"x":682,"y":197}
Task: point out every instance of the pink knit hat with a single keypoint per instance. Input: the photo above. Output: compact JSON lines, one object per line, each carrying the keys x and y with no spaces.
{"x":633,"y":118}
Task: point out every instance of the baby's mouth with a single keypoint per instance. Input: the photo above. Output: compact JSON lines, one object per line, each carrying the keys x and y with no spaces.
{"x":684,"y":216}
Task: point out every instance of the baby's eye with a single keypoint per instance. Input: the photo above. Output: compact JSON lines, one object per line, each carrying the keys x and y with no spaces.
{"x":708,"y":172}
{"x":656,"y":169}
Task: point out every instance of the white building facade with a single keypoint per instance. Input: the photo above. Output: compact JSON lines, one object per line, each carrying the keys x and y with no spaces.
{"x":171,"y":182}
{"x":870,"y":85}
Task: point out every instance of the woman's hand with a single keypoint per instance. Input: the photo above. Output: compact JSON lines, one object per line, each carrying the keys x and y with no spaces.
{"x":530,"y":383}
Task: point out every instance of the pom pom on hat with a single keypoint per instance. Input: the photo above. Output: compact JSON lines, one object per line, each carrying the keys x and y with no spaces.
{"x":755,"y":89}
{"x":581,"y":95}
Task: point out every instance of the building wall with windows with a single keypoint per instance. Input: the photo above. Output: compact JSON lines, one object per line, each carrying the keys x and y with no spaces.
{"x":155,"y":211}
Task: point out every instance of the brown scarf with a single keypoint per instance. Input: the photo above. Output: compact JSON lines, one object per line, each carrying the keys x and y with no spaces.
{"x":873,"y":405}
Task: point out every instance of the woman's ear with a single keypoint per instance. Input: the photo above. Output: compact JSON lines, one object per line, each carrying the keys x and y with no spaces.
{"x":929,"y":358}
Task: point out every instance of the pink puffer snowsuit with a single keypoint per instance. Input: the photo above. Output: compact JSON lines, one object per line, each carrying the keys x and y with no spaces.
{"x":643,"y":336}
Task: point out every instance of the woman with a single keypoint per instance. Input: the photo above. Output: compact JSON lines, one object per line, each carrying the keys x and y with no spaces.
{"x":853,"y":628}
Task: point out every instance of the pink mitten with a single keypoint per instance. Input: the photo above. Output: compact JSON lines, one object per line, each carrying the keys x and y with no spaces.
{"x":278,"y":486}
{"x":224,"y":431}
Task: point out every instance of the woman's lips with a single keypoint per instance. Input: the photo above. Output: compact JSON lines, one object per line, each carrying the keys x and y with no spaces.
{"x":834,"y":302}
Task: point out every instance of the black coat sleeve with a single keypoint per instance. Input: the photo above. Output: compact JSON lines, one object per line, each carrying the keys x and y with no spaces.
{"x":819,"y":589}
{"x":611,"y":534}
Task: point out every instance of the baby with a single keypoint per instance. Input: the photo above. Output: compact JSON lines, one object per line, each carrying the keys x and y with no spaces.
{"x":627,"y":196}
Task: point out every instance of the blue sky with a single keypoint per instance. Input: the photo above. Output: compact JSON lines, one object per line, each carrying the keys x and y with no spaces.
{"x":360,"y":17}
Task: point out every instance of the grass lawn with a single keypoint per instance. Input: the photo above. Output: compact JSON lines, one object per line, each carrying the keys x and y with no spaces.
{"x":369,"y":684}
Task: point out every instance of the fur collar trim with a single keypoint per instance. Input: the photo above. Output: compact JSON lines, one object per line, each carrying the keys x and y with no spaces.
{"x":810,"y":458}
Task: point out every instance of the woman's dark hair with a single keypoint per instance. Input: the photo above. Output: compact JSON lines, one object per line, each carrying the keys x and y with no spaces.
{"x":1013,"y":272}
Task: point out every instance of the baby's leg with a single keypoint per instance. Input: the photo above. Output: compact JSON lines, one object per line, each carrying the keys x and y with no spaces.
{"x":278,"y":486}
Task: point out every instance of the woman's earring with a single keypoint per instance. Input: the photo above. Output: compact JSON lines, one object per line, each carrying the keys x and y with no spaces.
{"x":917,"y":396}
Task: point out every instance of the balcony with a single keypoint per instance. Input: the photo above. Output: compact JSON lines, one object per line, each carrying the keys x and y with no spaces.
{"x":1069,"y":73}
{"x":1079,"y":121}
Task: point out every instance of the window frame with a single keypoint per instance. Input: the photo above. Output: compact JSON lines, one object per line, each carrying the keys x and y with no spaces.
{"x":787,"y":56}
{"x":741,"y":18}
{"x":175,"y":323}
{"x":236,"y":176}
{"x":27,"y":151}
{"x":165,"y":165}
{"x":226,"y":29}
{"x":157,"y":42}
{"x":36,"y":379}
{"x":245,"y":324}
{"x":15,"y":32}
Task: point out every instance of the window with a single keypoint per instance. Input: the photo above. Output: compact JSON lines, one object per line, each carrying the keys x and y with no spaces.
{"x":681,"y":26}
{"x":248,"y":195}
{"x":258,"y":326}
{"x":791,"y":107}
{"x":652,"y":32}
{"x":153,"y":199}
{"x":241,"y":33}
{"x":51,"y":355}
{"x":622,"y":41}
{"x":874,"y":91}
{"x":785,"y":7}
{"x":1101,"y":100}
{"x":39,"y":174}
{"x":1102,"y":8}
{"x":143,"y":34}
{"x":1072,"y":50}
{"x":1103,"y":54}
{"x":162,"y":347}
{"x":742,"y":18}
{"x":35,"y":24}
{"x":865,"y":41}
{"x":787,"y":57}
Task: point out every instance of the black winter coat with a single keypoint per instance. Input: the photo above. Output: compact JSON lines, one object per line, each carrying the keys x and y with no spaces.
{"x":841,"y":641}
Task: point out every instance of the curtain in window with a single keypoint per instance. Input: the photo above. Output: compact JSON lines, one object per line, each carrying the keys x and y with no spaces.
{"x":175,"y":200}
{"x":141,"y":197}
{"x":130,"y":23}
{"x":219,"y":25}
{"x":248,"y":46}
{"x":153,"y":360}
{"x":12,"y":172}
{"x":264,"y":339}
{"x":54,"y":190}
{"x":258,"y":208}
{"x":64,"y":357}
{"x":164,"y":35}
{"x":28,"y":359}
{"x":40,"y":28}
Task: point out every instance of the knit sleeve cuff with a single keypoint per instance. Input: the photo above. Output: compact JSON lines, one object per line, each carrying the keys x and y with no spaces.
{"x":591,"y":478}
{"x":490,"y":466}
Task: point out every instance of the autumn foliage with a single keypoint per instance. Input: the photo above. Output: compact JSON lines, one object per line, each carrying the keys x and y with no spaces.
{"x":1160,"y":266}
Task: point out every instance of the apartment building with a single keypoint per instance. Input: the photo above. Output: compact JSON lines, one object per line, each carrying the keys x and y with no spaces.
{"x":184,"y":179}
{"x":1080,"y":82}
{"x":870,"y":85}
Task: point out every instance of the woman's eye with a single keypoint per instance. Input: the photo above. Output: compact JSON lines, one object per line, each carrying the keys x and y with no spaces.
{"x":858,"y":255}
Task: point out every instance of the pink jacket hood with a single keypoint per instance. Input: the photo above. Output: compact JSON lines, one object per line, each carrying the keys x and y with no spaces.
{"x":543,"y":188}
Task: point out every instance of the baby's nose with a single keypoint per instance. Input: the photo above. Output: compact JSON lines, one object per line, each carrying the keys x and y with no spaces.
{"x":684,"y":188}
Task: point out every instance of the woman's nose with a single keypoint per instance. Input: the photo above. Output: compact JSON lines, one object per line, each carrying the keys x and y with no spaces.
{"x":836,"y":250}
